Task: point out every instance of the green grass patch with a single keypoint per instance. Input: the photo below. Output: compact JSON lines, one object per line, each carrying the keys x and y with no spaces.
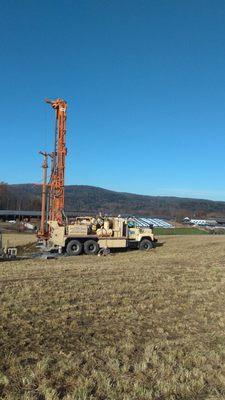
{"x":180,"y":231}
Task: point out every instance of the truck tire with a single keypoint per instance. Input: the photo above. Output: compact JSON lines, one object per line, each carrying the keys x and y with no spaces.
{"x":74,"y":248}
{"x":146,"y":245}
{"x":91,"y":247}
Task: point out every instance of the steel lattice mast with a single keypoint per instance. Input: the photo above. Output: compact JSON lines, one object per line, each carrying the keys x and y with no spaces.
{"x":57,"y":179}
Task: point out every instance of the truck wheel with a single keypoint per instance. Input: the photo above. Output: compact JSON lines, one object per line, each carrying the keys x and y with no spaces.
{"x":74,"y":248}
{"x":91,"y":247}
{"x":146,"y":245}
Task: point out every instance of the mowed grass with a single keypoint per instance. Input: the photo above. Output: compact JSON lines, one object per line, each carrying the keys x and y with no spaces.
{"x":180,"y":231}
{"x":127,"y":326}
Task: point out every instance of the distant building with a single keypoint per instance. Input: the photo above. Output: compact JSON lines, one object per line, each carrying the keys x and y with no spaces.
{"x":220,"y":221}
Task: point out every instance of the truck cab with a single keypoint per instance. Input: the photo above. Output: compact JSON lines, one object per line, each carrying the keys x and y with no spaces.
{"x":140,"y":237}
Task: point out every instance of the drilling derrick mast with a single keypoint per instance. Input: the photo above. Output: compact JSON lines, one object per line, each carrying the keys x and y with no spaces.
{"x":56,"y":184}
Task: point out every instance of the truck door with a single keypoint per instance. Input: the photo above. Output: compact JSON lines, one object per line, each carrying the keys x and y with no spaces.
{"x":132,"y":230}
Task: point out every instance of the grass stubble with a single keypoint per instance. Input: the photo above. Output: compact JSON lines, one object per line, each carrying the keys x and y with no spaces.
{"x":127,"y":326}
{"x":12,"y":239}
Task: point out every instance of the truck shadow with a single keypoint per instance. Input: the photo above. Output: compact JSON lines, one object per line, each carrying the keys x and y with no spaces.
{"x":159,"y":244}
{"x":125,"y":250}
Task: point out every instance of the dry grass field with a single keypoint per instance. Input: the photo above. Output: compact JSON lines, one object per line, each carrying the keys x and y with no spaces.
{"x":18,"y":239}
{"x":129,"y":326}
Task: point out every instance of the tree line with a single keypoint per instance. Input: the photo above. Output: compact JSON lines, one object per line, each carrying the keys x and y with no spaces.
{"x":92,"y":200}
{"x":12,"y":199}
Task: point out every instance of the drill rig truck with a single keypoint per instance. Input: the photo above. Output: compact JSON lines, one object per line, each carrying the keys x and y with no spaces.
{"x":89,"y":234}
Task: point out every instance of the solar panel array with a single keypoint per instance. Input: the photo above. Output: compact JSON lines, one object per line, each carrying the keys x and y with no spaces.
{"x":156,"y":222}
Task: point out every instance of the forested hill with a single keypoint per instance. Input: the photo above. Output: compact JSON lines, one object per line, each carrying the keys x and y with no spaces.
{"x":90,"y":199}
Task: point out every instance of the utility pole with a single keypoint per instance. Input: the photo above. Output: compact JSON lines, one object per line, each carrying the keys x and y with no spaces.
{"x":44,"y":193}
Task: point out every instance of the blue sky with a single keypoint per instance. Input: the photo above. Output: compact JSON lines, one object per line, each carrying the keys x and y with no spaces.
{"x":145,"y":86}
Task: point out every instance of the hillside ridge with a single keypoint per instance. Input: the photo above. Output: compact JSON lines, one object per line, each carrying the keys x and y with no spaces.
{"x":91,"y":199}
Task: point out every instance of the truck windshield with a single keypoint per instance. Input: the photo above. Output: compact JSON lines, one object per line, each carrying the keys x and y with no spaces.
{"x":131,"y":224}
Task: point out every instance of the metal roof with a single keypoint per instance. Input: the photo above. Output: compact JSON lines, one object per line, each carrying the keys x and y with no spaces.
{"x":20,"y":212}
{"x":144,"y":222}
{"x":156,"y":222}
